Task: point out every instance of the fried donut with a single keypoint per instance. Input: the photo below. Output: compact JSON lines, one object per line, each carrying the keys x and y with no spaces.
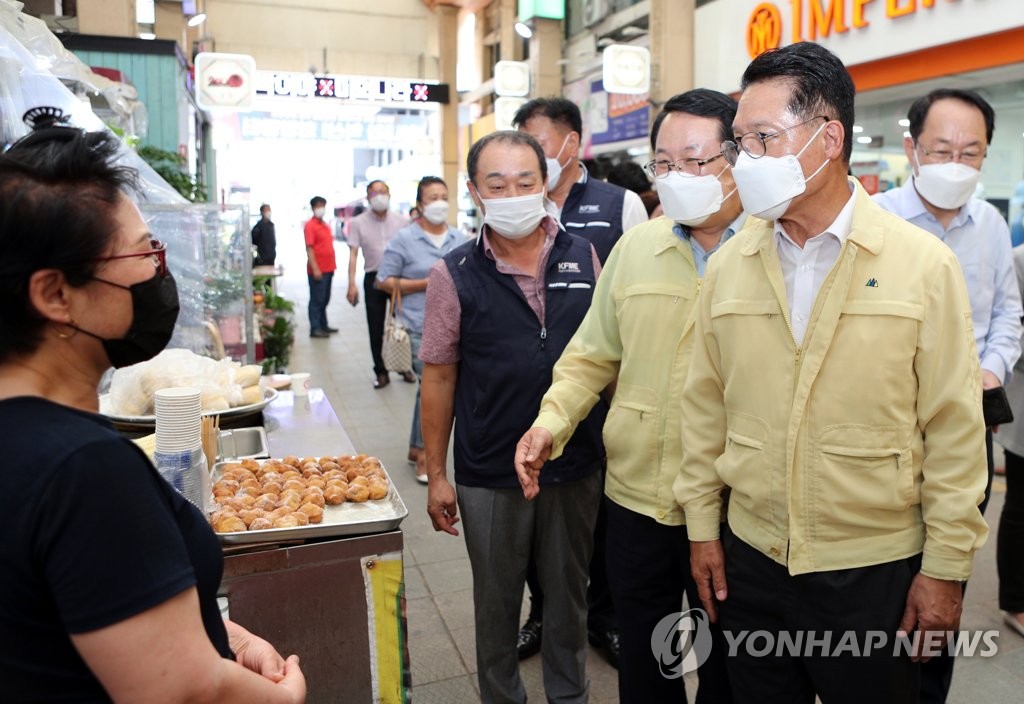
{"x":313,"y":512}
{"x":316,"y":498}
{"x":287,"y":521}
{"x":377,"y":490}
{"x":357,"y":493}
{"x":230,"y":524}
{"x":251,"y":514}
{"x":267,"y":502}
{"x":291,"y":460}
{"x":261,"y":524}
{"x":335,"y":495}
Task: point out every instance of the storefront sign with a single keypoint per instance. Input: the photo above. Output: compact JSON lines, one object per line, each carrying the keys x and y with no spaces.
{"x":615,"y":117}
{"x":355,"y":88}
{"x":812,"y":19}
{"x":858,"y":31}
{"x":225,"y":81}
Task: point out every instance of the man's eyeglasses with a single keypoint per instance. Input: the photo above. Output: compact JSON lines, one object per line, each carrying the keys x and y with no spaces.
{"x":157,"y":254}
{"x":660,"y":168}
{"x":944,"y":156}
{"x":754,"y":143}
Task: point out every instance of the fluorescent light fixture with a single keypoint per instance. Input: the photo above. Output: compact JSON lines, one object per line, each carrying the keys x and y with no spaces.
{"x":863,"y":140}
{"x":197,"y":20}
{"x":903,"y":122}
{"x":523,"y":31}
{"x":857,"y":129}
{"x":147,"y":35}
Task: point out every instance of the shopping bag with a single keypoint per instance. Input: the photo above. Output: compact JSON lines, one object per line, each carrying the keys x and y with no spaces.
{"x":396,"y":349}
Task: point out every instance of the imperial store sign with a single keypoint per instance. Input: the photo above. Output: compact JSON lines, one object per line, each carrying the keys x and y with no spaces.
{"x":369,"y":89}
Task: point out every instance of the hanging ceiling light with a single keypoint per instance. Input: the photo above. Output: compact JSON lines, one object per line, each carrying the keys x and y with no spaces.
{"x":196,"y":20}
{"x":523,"y":31}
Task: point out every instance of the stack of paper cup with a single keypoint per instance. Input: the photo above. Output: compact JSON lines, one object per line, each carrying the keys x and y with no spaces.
{"x":179,"y":441}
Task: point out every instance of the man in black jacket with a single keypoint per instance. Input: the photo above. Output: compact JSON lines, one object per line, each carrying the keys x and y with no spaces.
{"x":264,"y":239}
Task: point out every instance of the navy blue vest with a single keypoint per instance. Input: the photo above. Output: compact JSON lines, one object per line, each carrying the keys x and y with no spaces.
{"x":593,"y":210}
{"x":506,"y":357}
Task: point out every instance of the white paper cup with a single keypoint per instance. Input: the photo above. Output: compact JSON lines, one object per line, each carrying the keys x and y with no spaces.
{"x":301,"y":384}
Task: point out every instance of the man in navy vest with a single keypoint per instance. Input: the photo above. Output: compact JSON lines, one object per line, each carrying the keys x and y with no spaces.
{"x":599,"y":212}
{"x":499,"y":312}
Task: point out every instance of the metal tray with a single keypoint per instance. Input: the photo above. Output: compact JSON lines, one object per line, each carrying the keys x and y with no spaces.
{"x":376,"y":516}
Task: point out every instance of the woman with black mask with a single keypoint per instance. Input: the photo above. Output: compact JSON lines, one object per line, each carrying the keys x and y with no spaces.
{"x":108,"y":577}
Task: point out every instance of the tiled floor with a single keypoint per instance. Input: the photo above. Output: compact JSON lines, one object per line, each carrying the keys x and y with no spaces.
{"x":438,"y":580}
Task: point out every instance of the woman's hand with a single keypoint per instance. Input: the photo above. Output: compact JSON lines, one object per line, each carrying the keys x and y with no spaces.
{"x":254,"y":653}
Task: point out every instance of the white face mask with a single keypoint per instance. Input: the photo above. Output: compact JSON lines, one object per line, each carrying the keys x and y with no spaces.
{"x":436,"y":212}
{"x":690,"y":200}
{"x":514,"y":218}
{"x":769,"y":184}
{"x":555,"y":167}
{"x":947,"y":186}
{"x":319,"y":212}
{"x":380,"y":202}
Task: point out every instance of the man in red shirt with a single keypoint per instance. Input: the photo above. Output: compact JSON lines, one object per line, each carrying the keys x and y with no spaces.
{"x":319,"y":268}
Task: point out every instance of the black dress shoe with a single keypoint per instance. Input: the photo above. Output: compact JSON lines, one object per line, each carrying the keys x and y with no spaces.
{"x":408,"y":377}
{"x":319,"y":333}
{"x":331,"y":330}
{"x":529,"y":639}
{"x":381,"y":381}
{"x":608,"y":640}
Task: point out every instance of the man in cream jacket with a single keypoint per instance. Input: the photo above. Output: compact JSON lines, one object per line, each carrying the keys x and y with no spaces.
{"x":834,"y":392}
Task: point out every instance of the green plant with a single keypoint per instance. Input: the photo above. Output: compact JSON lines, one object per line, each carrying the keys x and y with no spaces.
{"x":278,"y":329}
{"x":171,"y":167}
{"x":221,"y":290}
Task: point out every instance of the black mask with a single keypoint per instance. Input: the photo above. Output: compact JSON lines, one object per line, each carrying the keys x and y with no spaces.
{"x":154,"y":313}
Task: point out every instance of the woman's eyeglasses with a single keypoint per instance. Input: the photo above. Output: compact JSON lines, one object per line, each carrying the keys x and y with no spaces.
{"x":157,"y":254}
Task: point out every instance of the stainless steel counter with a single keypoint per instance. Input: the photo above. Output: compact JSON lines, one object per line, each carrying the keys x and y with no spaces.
{"x":304,"y":426}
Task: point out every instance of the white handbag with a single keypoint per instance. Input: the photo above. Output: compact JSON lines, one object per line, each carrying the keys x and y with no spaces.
{"x":396,"y":349}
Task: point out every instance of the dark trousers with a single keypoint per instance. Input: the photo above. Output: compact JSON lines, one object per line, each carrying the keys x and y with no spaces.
{"x":764,"y":596}
{"x":319,"y":297}
{"x":1010,"y":539}
{"x":937,"y":673}
{"x":376,"y":311}
{"x":600,"y":612}
{"x":648,"y":572}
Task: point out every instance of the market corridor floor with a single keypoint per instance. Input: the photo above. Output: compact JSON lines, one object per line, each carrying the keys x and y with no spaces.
{"x":438,"y":581}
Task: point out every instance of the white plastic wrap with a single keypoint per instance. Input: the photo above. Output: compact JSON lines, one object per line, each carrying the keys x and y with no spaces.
{"x":222,"y":383}
{"x":29,"y":55}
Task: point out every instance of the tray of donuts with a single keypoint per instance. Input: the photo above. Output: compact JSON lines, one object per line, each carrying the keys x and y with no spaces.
{"x":292,"y":498}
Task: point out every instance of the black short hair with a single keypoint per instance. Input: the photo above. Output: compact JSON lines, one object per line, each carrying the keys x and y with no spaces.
{"x":427,"y":181}
{"x":821,"y":83}
{"x":508,"y":137}
{"x":629,"y":175}
{"x":57,"y":197}
{"x":701,"y":102}
{"x":315,"y":200}
{"x":265,"y":207}
{"x":918,"y":112}
{"x":374,"y":182}
{"x":559,"y":110}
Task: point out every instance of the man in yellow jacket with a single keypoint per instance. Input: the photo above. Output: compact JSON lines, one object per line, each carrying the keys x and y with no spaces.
{"x":835,"y":392}
{"x":638,"y":324}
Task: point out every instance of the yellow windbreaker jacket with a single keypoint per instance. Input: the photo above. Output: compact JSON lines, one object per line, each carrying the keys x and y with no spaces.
{"x":634,"y":332}
{"x":863,"y":445}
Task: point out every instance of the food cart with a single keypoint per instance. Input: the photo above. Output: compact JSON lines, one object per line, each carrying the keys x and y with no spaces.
{"x":339,"y":602}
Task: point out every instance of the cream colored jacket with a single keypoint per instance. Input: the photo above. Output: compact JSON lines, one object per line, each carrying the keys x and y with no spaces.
{"x":636,"y":332}
{"x":863,"y":445}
